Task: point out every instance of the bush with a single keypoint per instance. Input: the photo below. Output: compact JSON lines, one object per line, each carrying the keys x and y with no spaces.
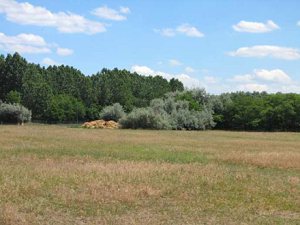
{"x":169,"y":113}
{"x":145,"y":118}
{"x":14,"y":113}
{"x":114,"y":112}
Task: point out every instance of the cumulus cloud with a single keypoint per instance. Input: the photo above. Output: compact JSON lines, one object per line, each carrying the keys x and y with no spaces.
{"x":187,"y":80}
{"x":111,"y":14}
{"x":64,"y":51}
{"x":189,"y":69}
{"x":264,"y":80}
{"x":267,"y":51}
{"x":185,"y":29}
{"x":167,"y":32}
{"x":49,"y":62}
{"x":259,"y":80}
{"x":24,"y":43}
{"x":253,"y":87}
{"x":124,"y":10}
{"x":143,"y":70}
{"x":65,"y":22}
{"x":243,"y":78}
{"x":189,"y":30}
{"x":276,"y":75}
{"x":30,"y":44}
{"x":255,"y":27}
{"x":211,"y":80}
{"x":174,"y":62}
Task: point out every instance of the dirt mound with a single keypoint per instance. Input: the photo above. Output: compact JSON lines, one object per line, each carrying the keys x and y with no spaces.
{"x":102,"y":124}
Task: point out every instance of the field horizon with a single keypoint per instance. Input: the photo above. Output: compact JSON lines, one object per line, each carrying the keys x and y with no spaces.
{"x":58,"y":174}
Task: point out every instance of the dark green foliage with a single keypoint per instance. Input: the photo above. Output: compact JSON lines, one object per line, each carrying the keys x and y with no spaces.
{"x":64,"y":94}
{"x":176,"y":85}
{"x":37,"y":93}
{"x":13,"y":68}
{"x":38,"y":86}
{"x":129,"y":89}
{"x":64,"y":108}
{"x":92,"y":112}
{"x":13,"y":97}
{"x":193,"y":103}
{"x":259,"y":111}
{"x":14,"y":113}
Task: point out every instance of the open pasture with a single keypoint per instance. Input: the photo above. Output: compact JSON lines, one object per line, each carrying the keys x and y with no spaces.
{"x":62,"y":175}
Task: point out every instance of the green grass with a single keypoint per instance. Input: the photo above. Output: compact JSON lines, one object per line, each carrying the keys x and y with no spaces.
{"x":62,"y":175}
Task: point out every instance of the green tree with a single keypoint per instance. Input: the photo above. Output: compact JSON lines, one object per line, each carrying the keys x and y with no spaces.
{"x":13,"y":97}
{"x":64,"y":108}
{"x":12,"y":74}
{"x":176,"y":85}
{"x":36,"y":92}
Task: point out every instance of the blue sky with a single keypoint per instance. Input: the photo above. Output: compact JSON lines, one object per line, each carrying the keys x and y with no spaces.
{"x":223,"y":46}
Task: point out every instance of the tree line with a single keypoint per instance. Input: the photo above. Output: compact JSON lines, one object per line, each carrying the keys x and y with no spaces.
{"x":258,"y":111}
{"x":64,"y":94}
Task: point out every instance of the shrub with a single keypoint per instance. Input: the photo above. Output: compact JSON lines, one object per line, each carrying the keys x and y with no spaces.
{"x":14,"y":113}
{"x":114,"y":112}
{"x":145,"y":118}
{"x":169,"y":113}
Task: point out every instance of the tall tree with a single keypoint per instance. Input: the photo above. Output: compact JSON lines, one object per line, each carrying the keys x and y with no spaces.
{"x":12,"y":73}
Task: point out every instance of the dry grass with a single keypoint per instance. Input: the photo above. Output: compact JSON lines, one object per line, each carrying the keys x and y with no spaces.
{"x":61,"y":175}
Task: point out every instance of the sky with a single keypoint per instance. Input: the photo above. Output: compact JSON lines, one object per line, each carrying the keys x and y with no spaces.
{"x":223,"y":46}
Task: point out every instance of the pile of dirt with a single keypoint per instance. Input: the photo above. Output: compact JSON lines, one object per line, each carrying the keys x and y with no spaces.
{"x":102,"y":124}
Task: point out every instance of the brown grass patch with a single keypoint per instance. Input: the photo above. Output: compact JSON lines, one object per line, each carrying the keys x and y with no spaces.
{"x":284,"y":160}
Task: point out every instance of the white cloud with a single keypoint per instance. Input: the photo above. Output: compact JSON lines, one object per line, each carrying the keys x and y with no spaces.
{"x":124,"y":10}
{"x":185,"y":29}
{"x":189,"y":69}
{"x":167,"y":32}
{"x":174,"y":62}
{"x":189,"y":30}
{"x":210,"y":80}
{"x":143,"y":70}
{"x":264,"y":80}
{"x":276,"y":75}
{"x":260,"y":80}
{"x":24,"y":43}
{"x":291,"y":88}
{"x":267,"y":51}
{"x":64,"y":51}
{"x":30,"y":44}
{"x":111,"y":14}
{"x":187,"y":80}
{"x":298,"y":23}
{"x":50,"y":62}
{"x":66,"y":22}
{"x":243,"y":78}
{"x":255,"y":27}
{"x":253,"y":87}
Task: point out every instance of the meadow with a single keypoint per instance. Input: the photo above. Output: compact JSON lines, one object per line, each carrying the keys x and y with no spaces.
{"x":64,"y":175}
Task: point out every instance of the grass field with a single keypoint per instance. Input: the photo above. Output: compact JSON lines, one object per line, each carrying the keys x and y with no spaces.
{"x":62,"y":175}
